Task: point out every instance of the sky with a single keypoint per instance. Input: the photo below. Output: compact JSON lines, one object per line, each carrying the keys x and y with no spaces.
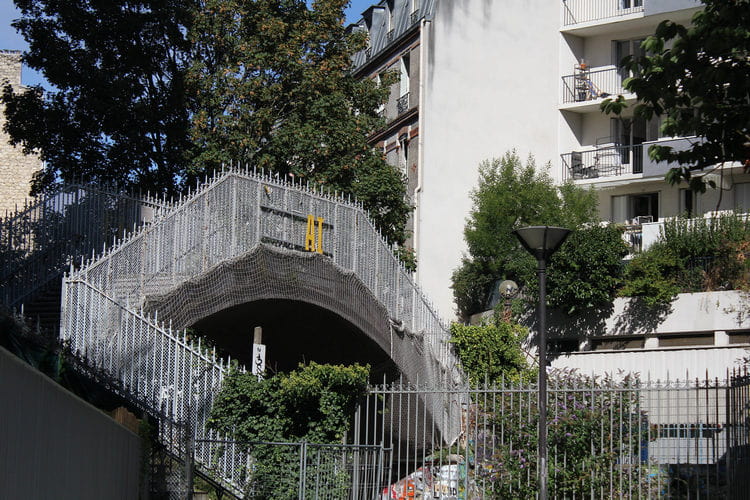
{"x":9,"y":39}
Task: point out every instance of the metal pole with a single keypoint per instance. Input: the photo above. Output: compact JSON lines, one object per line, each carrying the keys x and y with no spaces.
{"x":542,"y":378}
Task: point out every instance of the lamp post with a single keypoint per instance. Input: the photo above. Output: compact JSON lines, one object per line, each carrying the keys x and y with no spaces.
{"x":542,"y":242}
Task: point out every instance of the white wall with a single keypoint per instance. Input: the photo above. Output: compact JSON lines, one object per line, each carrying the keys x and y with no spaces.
{"x":491,"y":85}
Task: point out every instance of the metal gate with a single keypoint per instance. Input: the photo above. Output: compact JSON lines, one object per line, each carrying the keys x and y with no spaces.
{"x":311,"y":471}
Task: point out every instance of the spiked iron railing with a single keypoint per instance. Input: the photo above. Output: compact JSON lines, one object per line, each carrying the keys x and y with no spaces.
{"x":38,"y":242}
{"x":229,"y":215}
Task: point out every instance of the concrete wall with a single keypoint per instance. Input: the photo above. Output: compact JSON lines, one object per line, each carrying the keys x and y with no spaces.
{"x":55,"y":445}
{"x":718,"y":318}
{"x":491,"y":85}
{"x":16,"y":168}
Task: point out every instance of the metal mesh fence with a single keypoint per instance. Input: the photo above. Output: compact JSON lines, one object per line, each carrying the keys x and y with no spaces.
{"x":239,"y":230}
{"x":607,"y":439}
{"x":39,"y":242}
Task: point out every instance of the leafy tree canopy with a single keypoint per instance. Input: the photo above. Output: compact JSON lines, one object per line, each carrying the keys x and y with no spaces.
{"x":117,"y":113}
{"x":510,"y":195}
{"x":697,"y":78}
{"x":154,"y":93}
{"x":491,"y":352}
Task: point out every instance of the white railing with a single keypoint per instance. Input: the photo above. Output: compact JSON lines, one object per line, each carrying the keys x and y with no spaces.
{"x":581,"y":11}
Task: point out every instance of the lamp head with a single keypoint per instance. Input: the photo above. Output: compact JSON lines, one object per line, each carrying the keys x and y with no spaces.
{"x":541,"y":241}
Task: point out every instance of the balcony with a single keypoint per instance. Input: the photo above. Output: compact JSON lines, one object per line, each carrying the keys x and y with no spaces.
{"x":609,"y":161}
{"x":415,"y":17}
{"x":402,"y":105}
{"x":591,"y":84}
{"x":586,"y":11}
{"x":612,"y":160}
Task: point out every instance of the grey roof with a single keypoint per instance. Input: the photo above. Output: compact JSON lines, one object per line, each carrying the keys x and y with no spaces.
{"x":375,"y":20}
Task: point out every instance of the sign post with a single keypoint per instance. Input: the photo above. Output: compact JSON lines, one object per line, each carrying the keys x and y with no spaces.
{"x":259,"y":353}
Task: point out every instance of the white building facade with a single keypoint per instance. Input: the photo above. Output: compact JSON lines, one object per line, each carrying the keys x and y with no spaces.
{"x":530,"y":75}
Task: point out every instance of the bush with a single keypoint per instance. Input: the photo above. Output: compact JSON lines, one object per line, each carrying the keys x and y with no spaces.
{"x":490,"y":352}
{"x":692,"y":255}
{"x":651,"y":275}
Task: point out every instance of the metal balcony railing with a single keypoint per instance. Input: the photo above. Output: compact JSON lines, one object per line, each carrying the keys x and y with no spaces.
{"x":587,"y":85}
{"x":389,"y":35}
{"x":581,"y":11}
{"x":402,"y":105}
{"x":603,"y":162}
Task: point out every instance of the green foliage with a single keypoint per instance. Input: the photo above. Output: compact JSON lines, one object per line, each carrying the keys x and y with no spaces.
{"x":586,"y":272}
{"x":511,"y":195}
{"x":651,"y":275}
{"x":270,"y":85}
{"x":117,"y":110}
{"x":313,"y":403}
{"x":490,"y":352}
{"x":151,"y":94}
{"x":692,"y":255}
{"x":585,"y":424}
{"x":696,"y":78}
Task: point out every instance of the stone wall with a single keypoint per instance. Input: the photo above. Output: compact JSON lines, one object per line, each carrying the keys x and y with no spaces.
{"x":16,"y":168}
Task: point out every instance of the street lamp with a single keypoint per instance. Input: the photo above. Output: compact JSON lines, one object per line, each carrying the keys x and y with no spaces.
{"x":542,"y":242}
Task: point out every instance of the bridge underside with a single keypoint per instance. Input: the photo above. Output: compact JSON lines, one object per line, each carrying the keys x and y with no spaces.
{"x":295,"y":332}
{"x":310,"y":310}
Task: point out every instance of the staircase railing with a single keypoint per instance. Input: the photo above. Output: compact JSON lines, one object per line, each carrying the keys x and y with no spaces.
{"x":159,"y":369}
{"x":38,"y":242}
{"x":230,"y":214}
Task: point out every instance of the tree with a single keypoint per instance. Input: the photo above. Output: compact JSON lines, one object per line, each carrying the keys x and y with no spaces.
{"x":270,"y":85}
{"x":697,"y":78}
{"x":490,"y":352}
{"x":511,"y":195}
{"x":116,"y":112}
{"x":153,"y":93}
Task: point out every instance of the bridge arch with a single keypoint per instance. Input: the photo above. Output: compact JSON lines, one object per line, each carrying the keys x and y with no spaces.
{"x":272,"y":273}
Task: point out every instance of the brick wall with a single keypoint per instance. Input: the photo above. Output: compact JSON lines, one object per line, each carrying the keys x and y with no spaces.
{"x":16,"y":168}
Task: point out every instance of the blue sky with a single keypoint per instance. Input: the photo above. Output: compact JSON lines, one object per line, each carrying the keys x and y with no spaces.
{"x":9,"y":39}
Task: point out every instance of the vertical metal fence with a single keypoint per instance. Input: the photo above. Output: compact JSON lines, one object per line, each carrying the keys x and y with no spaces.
{"x":40,"y":241}
{"x":607,"y":439}
{"x":581,"y":11}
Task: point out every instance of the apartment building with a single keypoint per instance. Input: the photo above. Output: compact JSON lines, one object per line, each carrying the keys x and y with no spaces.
{"x":395,"y":31}
{"x":531,"y":75}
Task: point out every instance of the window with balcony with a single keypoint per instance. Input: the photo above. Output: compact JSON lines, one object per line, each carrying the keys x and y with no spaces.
{"x":641,"y":207}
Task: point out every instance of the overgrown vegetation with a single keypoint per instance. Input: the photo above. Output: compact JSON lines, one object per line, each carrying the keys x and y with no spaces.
{"x":314,"y":403}
{"x":692,"y":255}
{"x":491,"y":352}
{"x":511,"y":194}
{"x":596,"y":450}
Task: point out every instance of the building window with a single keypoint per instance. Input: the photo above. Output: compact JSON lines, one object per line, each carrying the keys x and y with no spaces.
{"x":404,"y":74}
{"x":635,"y":207}
{"x":403,"y":154}
{"x":687,"y":202}
{"x":622,"y":49}
{"x":629,"y":4}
